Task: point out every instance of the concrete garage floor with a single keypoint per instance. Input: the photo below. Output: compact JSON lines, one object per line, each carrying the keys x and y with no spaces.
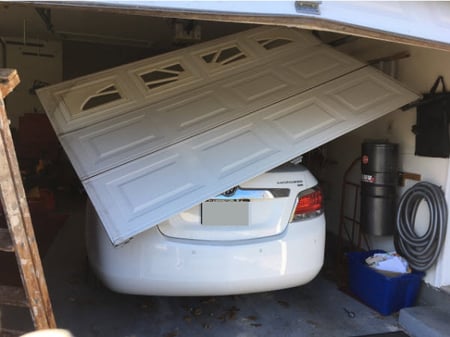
{"x":86,"y":308}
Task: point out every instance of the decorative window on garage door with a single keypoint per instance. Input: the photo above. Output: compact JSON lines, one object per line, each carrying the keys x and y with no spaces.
{"x":224,"y":56}
{"x":87,"y":101}
{"x":225,"y":111}
{"x":103,"y":96}
{"x":270,"y":44}
{"x":162,"y":76}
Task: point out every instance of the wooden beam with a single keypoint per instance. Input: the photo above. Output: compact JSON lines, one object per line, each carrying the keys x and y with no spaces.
{"x":18,"y":218}
{"x":9,"y":79}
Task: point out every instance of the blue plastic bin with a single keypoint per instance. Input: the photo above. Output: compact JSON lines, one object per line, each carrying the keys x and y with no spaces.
{"x":383,"y":293}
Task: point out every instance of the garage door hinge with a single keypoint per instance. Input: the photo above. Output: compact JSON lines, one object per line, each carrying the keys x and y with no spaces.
{"x":308,"y":7}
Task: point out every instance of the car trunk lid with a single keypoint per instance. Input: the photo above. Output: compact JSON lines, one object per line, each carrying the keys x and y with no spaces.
{"x":261,"y":207}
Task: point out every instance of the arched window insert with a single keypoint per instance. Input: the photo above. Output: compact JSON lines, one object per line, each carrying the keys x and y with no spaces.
{"x":224,"y":56}
{"x":269,"y":44}
{"x":103,"y":96}
{"x":163,"y":76}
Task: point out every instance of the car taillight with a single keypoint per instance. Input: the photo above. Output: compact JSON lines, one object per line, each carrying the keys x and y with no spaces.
{"x":309,"y":204}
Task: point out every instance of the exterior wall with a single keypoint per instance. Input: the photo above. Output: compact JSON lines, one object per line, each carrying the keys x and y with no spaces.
{"x":418,"y":72}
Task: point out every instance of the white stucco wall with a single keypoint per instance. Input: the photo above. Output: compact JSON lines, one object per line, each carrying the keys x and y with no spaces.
{"x":418,"y":72}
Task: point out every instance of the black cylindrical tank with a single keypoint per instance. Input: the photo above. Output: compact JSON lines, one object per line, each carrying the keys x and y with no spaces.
{"x":379,"y":176}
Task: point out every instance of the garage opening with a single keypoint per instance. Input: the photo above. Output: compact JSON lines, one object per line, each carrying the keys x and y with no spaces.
{"x":326,"y":158}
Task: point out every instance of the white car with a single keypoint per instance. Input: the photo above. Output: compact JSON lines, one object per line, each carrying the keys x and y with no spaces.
{"x":266,"y":234}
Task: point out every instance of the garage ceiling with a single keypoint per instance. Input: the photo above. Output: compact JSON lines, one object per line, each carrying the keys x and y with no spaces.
{"x":420,"y":23}
{"x":24,"y":23}
{"x":155,"y":137}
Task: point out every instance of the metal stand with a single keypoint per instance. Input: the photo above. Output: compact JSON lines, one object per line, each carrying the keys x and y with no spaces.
{"x":350,"y":235}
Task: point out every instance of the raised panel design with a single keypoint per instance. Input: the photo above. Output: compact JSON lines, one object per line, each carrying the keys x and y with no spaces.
{"x":196,"y":110}
{"x":233,"y":150}
{"x":299,"y":120}
{"x":362,"y":92}
{"x":137,"y":200}
{"x":266,"y":84}
{"x":320,"y":62}
{"x":111,"y":143}
{"x":131,"y":194}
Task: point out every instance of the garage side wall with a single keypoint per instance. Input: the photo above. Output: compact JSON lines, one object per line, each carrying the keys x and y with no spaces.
{"x":419,"y":72}
{"x":38,"y":62}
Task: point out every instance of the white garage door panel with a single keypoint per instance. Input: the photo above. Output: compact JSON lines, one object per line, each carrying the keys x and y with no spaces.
{"x":288,"y":75}
{"x":333,"y":110}
{"x":92,"y":99}
{"x":155,"y":137}
{"x":319,"y":63}
{"x":94,"y":149}
{"x":83,"y":96}
{"x":124,"y":138}
{"x":235,"y":148}
{"x":118,"y":140}
{"x":79,"y":103}
{"x":142,"y":193}
{"x":255,"y":46}
{"x":310,"y":113}
{"x":69,"y":106}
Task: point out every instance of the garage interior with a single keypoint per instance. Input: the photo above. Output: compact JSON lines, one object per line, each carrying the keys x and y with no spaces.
{"x":48,"y":46}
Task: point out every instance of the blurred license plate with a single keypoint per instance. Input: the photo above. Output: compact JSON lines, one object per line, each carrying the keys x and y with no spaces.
{"x":225,"y":213}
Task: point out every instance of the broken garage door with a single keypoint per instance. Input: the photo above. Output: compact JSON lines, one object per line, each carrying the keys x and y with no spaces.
{"x":156,"y":137}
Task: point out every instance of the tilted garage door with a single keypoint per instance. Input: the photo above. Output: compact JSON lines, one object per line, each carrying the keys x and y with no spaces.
{"x":155,"y":137}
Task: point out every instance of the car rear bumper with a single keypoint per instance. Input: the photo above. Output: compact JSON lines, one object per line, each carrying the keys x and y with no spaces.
{"x":152,"y":264}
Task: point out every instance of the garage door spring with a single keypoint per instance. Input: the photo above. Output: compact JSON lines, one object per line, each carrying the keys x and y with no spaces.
{"x":421,"y":251}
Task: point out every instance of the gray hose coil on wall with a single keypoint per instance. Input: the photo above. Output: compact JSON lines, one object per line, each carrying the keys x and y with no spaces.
{"x":421,"y":252}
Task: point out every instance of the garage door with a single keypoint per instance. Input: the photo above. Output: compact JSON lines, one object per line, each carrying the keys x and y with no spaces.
{"x":156,"y":137}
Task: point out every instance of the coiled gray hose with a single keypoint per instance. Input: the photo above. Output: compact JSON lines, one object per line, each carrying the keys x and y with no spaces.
{"x":421,"y":251}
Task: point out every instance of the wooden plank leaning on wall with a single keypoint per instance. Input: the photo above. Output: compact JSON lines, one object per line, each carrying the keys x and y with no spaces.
{"x":15,"y":208}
